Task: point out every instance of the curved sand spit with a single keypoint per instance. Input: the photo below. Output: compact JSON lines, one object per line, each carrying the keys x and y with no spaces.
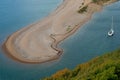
{"x":38,"y":42}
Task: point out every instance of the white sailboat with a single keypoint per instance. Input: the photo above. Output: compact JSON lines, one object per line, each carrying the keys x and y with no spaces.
{"x":111,"y":32}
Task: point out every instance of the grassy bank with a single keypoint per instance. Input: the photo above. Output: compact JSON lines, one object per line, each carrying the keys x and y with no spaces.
{"x":106,"y":67}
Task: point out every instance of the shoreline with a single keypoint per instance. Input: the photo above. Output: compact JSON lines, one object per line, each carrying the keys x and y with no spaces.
{"x":9,"y":46}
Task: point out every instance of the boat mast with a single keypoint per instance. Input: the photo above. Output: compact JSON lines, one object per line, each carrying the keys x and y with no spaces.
{"x":112,"y":23}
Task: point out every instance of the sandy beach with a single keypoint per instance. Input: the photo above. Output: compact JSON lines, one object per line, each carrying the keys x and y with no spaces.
{"x":38,"y":42}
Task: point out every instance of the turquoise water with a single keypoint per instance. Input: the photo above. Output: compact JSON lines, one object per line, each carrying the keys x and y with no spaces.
{"x":89,"y":41}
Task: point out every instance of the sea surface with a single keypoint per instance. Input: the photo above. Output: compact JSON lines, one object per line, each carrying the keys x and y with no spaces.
{"x":89,"y":41}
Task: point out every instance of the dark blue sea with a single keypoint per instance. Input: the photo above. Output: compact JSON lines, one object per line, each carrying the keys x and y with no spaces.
{"x":90,"y":41}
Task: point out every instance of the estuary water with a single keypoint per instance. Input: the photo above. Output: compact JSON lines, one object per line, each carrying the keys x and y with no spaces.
{"x":89,"y":41}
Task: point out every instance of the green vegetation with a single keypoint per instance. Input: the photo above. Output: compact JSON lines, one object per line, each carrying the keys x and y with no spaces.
{"x":95,"y":1}
{"x":106,"y":67}
{"x":82,"y":10}
{"x":68,"y":29}
{"x":100,"y":1}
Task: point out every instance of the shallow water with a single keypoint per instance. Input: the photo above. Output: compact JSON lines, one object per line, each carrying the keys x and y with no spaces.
{"x":89,"y":41}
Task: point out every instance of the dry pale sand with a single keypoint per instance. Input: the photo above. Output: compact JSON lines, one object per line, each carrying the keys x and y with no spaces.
{"x":38,"y":42}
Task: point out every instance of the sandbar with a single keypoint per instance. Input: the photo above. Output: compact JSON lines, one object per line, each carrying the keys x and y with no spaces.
{"x":38,"y":42}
